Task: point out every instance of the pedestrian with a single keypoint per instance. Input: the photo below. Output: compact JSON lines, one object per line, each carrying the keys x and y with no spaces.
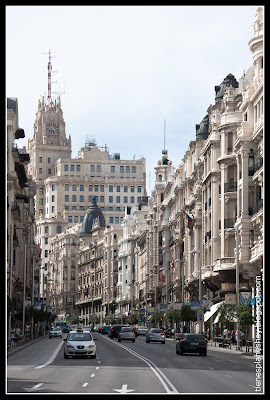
{"x":233,"y":337}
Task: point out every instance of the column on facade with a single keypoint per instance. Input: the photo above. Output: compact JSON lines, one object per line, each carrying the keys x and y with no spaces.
{"x":245,"y":181}
{"x":222,"y":210}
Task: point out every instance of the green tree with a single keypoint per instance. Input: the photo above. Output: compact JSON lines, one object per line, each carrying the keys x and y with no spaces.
{"x":169,"y":316}
{"x":75,"y":321}
{"x":156,"y":317}
{"x":244,"y":316}
{"x":187,"y":314}
{"x":226,"y":313}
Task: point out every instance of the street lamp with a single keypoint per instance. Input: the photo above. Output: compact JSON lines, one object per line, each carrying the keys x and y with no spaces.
{"x":200,"y":284}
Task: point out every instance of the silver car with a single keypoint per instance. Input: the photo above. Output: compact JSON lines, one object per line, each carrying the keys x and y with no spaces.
{"x":55,"y":332}
{"x":155,"y":335}
{"x":79,"y":343}
{"x":142,"y":331}
{"x":126,"y":333}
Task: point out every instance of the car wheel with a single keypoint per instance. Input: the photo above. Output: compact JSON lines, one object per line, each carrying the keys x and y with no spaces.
{"x":133,"y":340}
{"x":93,"y":356}
{"x":65,"y":356}
{"x":181,"y":352}
{"x":163,"y":342}
{"x":176,"y":350}
{"x":204,"y":353}
{"x":119,"y":340}
{"x":49,"y":337}
{"x":147,"y":341}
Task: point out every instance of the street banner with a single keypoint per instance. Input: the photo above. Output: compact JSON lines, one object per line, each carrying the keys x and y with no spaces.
{"x":177,"y":306}
{"x":37,"y":305}
{"x":27,"y":304}
{"x":230,"y":298}
{"x":206,"y":305}
{"x":245,"y":298}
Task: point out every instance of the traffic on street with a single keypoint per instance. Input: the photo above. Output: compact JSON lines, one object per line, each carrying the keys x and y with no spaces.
{"x":140,"y":366}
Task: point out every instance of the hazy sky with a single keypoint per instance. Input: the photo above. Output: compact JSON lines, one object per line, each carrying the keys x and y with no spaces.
{"x":122,"y":70}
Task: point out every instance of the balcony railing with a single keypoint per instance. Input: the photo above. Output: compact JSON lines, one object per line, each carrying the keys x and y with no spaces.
{"x":230,"y":187}
{"x":253,"y":210}
{"x":228,"y":223}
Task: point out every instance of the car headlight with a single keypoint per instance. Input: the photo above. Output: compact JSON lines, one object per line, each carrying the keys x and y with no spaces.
{"x":90,"y":346}
{"x":69,"y":346}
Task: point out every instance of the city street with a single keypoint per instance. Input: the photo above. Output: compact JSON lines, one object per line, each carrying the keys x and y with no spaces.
{"x":128,"y":367}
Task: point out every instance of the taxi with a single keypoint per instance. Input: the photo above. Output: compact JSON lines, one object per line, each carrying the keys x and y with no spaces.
{"x":79,"y":343}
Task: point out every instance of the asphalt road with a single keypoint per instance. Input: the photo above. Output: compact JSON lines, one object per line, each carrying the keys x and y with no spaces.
{"x":127,"y":367}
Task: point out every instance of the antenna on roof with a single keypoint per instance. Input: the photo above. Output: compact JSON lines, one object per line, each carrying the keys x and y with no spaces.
{"x":164,"y":151}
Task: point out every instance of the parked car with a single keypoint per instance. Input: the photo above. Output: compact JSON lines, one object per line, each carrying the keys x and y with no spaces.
{"x":87,"y":328}
{"x":126,"y":333}
{"x":155,"y":335}
{"x":79,"y":343}
{"x":104,"y":329}
{"x":141,"y":330}
{"x":191,"y":343}
{"x":114,"y":331}
{"x":55,"y":332}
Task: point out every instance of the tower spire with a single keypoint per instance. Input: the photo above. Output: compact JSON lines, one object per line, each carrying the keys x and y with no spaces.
{"x":49,"y":78}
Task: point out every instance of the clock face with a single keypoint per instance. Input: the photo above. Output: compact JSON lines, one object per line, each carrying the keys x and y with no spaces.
{"x":52,"y":127}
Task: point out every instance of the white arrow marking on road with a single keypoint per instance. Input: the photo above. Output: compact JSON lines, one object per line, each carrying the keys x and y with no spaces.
{"x":37,"y":387}
{"x":124,"y":389}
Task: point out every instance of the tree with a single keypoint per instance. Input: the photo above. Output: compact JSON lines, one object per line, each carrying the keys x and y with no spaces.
{"x":156,"y":317}
{"x":244,"y":316}
{"x":226,"y":313}
{"x":187,"y":314}
{"x":169,"y":315}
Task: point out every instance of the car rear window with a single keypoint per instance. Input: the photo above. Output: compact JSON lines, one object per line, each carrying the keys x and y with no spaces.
{"x":80,"y":336}
{"x":194,"y":337}
{"x":156,"y":331}
{"x":127,"y":330}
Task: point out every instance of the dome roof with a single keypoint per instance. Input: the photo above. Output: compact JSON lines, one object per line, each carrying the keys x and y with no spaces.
{"x":91,"y":215}
{"x":202,"y":129}
{"x":227,"y":82}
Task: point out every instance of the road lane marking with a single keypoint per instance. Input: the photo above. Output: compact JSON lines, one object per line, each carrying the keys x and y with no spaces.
{"x":92,"y":376}
{"x":52,"y":357}
{"x":153,"y":367}
{"x":37,"y":387}
{"x":97,"y":367}
{"x":124,"y":389}
{"x":85,"y":384}
{"x":229,"y":376}
{"x":211,"y":368}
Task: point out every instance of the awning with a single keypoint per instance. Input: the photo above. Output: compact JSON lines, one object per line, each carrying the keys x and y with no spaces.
{"x":212,"y":311}
{"x":217,"y":319}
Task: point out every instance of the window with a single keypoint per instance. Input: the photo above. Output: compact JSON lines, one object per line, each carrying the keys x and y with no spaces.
{"x":118,"y":187}
{"x":66,"y":207}
{"x":74,"y":198}
{"x":134,"y":170}
{"x":70,"y":218}
{"x":112,"y":168}
{"x":139,"y":189}
{"x":110,"y":199}
{"x":81,"y":199}
{"x":96,"y":188}
{"x":78,"y":168}
{"x":67,"y":198}
{"x":40,"y":159}
{"x":46,"y":240}
{"x":40,"y":170}
{"x":90,"y":199}
{"x":116,"y":220}
{"x":110,"y":188}
{"x":53,"y":199}
{"x":139,"y":199}
{"x":72,"y":168}
{"x":46,"y":229}
{"x":122,"y":169}
{"x":111,"y":220}
{"x":53,"y":188}
{"x":41,"y":202}
{"x":49,"y":160}
{"x":81,"y":218}
{"x":49,"y":171}
{"x":81,"y":188}
{"x":101,"y":188}
{"x":74,"y":188}
{"x":41,"y":191}
{"x":132,"y":189}
{"x":74,"y":208}
{"x":59,"y":229}
{"x":66,"y":167}
{"x":92,"y":168}
{"x":46,"y":253}
{"x":127,"y":170}
{"x":132,"y":199}
{"x":125,"y":188}
{"x":98,"y":168}
{"x":76,"y":218}
{"x":117,"y":199}
{"x":101,"y":199}
{"x":53,"y":209}
{"x":66,"y":187}
{"x":90,"y":188}
{"x":125,"y":199}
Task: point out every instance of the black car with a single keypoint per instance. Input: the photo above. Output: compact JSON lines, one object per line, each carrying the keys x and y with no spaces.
{"x":104,"y":329}
{"x":114,"y":331}
{"x":191,"y":343}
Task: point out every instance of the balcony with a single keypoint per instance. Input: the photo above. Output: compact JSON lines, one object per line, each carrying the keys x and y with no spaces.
{"x":228,"y":223}
{"x":256,"y":208}
{"x":230,"y":187}
{"x":225,"y":263}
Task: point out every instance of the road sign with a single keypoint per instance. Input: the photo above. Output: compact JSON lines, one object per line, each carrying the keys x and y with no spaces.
{"x":200,"y":315}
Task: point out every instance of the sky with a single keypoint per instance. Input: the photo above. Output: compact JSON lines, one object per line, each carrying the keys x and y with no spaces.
{"x":122,"y":70}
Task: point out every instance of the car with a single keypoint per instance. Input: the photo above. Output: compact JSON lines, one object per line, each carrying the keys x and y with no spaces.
{"x":114,"y":331}
{"x":79,"y":343}
{"x":72,"y":327}
{"x":141,"y":330}
{"x":126,"y":333}
{"x":191,"y":343}
{"x":87,"y":328}
{"x":155,"y":335}
{"x":55,"y":332}
{"x":104,"y":329}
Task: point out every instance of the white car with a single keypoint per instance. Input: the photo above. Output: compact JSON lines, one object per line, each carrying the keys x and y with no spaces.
{"x":79,"y":343}
{"x":55,"y":332}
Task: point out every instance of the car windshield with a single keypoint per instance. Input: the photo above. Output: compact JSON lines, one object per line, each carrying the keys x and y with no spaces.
{"x":127,"y":330}
{"x":156,"y":331}
{"x":79,"y":336}
{"x":194,"y":337}
{"x":56,"y":329}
